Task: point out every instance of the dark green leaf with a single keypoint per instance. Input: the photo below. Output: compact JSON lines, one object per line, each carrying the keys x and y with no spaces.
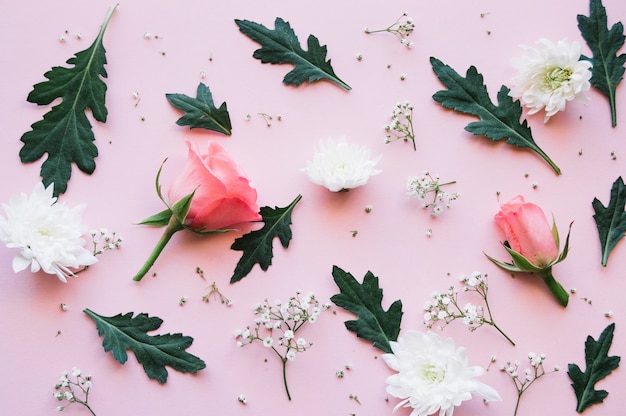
{"x":154,"y":352}
{"x":281,"y":45}
{"x":608,"y":67}
{"x":257,"y":245}
{"x":200,"y":112}
{"x":598,"y":366}
{"x":364,"y":300}
{"x":469,"y":95}
{"x":65,"y":133}
{"x":611,"y":220}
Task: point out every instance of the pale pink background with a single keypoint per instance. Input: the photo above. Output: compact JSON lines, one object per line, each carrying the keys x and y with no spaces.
{"x":391,"y":240}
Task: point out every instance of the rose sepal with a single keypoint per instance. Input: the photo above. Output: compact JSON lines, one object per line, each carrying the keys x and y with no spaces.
{"x":180,"y":210}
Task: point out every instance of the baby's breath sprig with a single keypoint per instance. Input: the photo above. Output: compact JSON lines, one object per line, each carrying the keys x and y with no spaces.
{"x":66,"y":392}
{"x":277,"y":324}
{"x":444,"y":308}
{"x":103,"y":240}
{"x":421,"y":186}
{"x":528,"y":377}
{"x":216,"y":294}
{"x":401,"y":28}
{"x":401,"y":126}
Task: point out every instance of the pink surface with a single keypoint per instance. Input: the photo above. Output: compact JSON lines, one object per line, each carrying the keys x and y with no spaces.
{"x":391,"y":240}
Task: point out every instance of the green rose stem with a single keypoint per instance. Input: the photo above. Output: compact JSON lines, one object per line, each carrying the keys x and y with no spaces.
{"x":173,"y":226}
{"x":555,"y":287}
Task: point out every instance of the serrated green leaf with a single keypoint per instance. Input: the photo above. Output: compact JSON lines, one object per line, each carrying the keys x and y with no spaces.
{"x":281,"y":45}
{"x":153,"y":352}
{"x":611,"y":220}
{"x":65,"y":133}
{"x":364,"y":300}
{"x":608,"y":67}
{"x":257,"y":245}
{"x":598,"y":366}
{"x":200,"y":112}
{"x":469,"y":95}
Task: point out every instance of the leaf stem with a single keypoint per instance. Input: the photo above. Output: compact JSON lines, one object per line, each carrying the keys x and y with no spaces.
{"x":613,"y":109}
{"x":172,"y":227}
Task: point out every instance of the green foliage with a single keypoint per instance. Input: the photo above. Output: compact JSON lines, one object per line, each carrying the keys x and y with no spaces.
{"x":608,"y":67}
{"x":611,"y":220}
{"x":364,"y":300}
{"x":65,"y":133}
{"x":200,"y":112}
{"x":281,"y":45}
{"x":257,"y":245}
{"x":123,"y":332}
{"x":598,"y":366}
{"x":469,"y":95}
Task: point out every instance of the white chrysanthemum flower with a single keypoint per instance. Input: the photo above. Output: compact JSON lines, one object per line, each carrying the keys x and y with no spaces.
{"x":341,"y":166}
{"x":48,"y":234}
{"x":433,"y":375}
{"x":550,"y":75}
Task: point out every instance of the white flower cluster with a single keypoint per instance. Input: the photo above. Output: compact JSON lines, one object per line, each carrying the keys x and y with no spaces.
{"x":428,"y":185}
{"x":551,"y":75}
{"x":529,"y":376}
{"x":340,"y":166}
{"x":48,"y":234}
{"x":401,"y":126}
{"x":401,"y":28}
{"x":104,"y":240}
{"x":433,"y":375}
{"x":443,"y":308}
{"x":65,"y":389}
{"x":276,"y":325}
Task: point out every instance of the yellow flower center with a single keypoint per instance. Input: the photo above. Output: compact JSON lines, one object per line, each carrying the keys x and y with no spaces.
{"x":556,"y":76}
{"x":433,"y":374}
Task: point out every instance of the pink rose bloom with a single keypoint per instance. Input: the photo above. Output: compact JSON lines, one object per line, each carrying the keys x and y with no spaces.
{"x":224,"y":195}
{"x":527,"y":231}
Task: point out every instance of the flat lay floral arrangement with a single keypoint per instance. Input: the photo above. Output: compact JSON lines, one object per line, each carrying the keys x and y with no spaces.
{"x":195,"y":198}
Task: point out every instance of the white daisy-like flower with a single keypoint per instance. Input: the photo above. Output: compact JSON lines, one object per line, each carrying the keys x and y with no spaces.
{"x":550,"y":75}
{"x":433,"y":375}
{"x":48,"y":234}
{"x":341,"y":166}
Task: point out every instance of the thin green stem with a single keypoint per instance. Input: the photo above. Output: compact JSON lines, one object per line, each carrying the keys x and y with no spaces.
{"x":172,"y":227}
{"x":284,"y":360}
{"x":519,"y":398}
{"x":491,"y":321}
{"x":502,"y":332}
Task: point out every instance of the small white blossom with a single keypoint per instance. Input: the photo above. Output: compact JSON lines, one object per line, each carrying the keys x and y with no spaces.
{"x":48,"y":234}
{"x":268,"y":342}
{"x":550,"y":75}
{"x":433,"y":375}
{"x":341,"y":166}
